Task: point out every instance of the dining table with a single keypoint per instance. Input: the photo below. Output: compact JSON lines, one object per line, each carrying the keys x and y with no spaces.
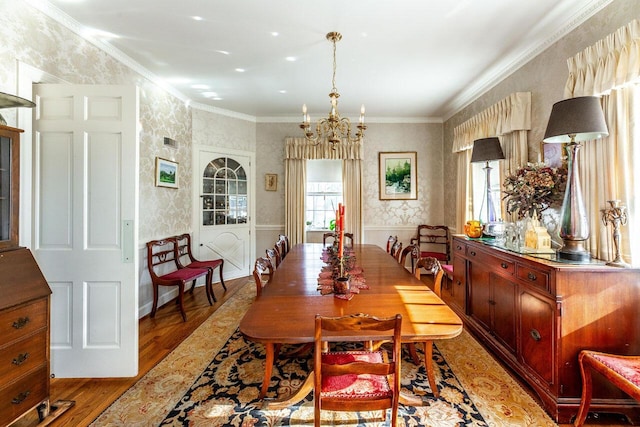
{"x":285,"y":311}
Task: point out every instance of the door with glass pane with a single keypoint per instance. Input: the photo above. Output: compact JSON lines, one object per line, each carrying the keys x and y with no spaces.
{"x":224,"y":211}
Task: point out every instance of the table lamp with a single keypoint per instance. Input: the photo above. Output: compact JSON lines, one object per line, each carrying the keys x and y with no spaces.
{"x":571,"y":121}
{"x":486,"y":150}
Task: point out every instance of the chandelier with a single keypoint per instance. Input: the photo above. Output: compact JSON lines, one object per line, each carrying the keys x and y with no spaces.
{"x":334,"y":128}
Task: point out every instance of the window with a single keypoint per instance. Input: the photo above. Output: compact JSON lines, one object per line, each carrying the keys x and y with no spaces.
{"x":224,"y":199}
{"x":324,"y":192}
{"x":478,"y":195}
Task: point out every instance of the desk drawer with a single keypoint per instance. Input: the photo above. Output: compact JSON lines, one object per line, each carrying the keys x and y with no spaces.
{"x":533,"y":276}
{"x":21,"y":396}
{"x":23,"y":356}
{"x":23,"y":320}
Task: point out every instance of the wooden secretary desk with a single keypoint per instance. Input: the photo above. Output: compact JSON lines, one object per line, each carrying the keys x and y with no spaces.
{"x":24,"y":302}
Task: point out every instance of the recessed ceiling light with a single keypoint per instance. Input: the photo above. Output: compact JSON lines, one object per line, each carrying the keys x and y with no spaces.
{"x":240,"y":70}
{"x":209,"y":94}
{"x":197,"y":18}
{"x":282,"y":91}
{"x":217,"y":98}
{"x":291,"y":58}
{"x":275,"y":33}
{"x":224,"y":52}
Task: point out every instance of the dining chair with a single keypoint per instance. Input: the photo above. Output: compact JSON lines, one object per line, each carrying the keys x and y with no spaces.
{"x":187,"y":260}
{"x":409,"y":251}
{"x":262,"y":273}
{"x":281,"y":247}
{"x":164,"y":270}
{"x":285,"y":238}
{"x":435,"y":241}
{"x":432,"y":266}
{"x":396,"y":249}
{"x":390,"y":242}
{"x":331,"y":237}
{"x":621,"y":371}
{"x":274,"y":257}
{"x":356,"y":380}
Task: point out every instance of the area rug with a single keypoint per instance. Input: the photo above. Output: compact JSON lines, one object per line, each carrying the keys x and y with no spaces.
{"x":213,"y":379}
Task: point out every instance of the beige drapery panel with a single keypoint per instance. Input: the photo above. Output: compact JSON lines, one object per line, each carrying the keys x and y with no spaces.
{"x":509,"y":119}
{"x":609,"y":167}
{"x":297,"y":152}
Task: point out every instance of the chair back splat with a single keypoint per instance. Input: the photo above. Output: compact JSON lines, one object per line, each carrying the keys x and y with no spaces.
{"x":356,"y":380}
{"x":331,"y":237}
{"x":433,"y":241}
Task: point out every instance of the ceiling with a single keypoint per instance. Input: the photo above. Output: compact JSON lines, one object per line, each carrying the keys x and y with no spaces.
{"x":405,"y":60}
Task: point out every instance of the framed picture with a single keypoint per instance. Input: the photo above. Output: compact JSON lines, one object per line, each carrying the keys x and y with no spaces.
{"x":398,"y":175}
{"x":554,"y":155}
{"x":271,"y":182}
{"x":166,"y":173}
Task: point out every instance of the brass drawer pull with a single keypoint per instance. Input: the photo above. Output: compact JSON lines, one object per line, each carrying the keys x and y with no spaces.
{"x":473,"y":253}
{"x":22,"y":357}
{"x":504,"y":265}
{"x":535,"y":335}
{"x":532,"y":276}
{"x":20,"y":398}
{"x":458,"y":247}
{"x":21,"y":323}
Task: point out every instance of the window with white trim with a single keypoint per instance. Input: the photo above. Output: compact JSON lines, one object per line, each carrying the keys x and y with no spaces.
{"x":324,"y":193}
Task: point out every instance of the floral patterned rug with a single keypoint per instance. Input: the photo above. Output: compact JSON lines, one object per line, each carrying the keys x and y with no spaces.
{"x":213,"y":379}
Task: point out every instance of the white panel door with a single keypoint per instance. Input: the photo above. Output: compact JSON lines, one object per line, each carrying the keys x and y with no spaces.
{"x":85,"y":225}
{"x":224,"y":211}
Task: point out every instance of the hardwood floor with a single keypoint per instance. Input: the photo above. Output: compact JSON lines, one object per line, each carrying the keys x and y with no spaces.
{"x":157,"y":338}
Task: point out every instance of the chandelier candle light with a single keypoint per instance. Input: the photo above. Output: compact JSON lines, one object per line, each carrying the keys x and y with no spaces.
{"x":333,"y":128}
{"x":571,"y":121}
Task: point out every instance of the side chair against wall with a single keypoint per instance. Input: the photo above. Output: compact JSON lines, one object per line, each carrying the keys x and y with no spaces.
{"x":356,"y":380}
{"x":432,"y":265}
{"x":621,"y":371}
{"x":164,"y":269}
{"x":187,"y":260}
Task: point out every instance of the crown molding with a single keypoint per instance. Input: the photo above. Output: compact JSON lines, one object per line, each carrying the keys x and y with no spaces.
{"x":500,"y":72}
{"x":296,"y":119}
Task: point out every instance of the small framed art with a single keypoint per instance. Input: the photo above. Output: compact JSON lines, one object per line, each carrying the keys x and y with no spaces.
{"x":398,"y":175}
{"x":166,"y":173}
{"x":271,"y":182}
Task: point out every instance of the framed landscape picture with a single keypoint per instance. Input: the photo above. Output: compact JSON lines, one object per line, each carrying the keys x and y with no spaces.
{"x":398,"y":175}
{"x":166,"y":173}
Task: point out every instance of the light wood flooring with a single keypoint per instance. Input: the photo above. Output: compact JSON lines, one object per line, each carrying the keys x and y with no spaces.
{"x":158,"y":337}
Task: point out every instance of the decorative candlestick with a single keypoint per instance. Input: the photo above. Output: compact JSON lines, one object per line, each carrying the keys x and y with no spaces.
{"x":616,"y":215}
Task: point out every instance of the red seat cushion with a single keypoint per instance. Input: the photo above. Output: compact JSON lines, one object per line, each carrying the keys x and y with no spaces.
{"x":352,"y":385}
{"x":437,"y":255}
{"x":205,"y":264}
{"x":185,"y":274}
{"x":629,"y":368}
{"x":448,"y":269}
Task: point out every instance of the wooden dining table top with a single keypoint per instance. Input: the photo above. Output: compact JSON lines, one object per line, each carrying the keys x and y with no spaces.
{"x":285,"y":311}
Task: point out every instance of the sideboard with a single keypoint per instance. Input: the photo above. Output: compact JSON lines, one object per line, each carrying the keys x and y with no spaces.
{"x":535,"y":315}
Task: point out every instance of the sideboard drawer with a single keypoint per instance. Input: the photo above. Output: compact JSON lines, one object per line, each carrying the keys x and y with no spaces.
{"x":459,"y":247}
{"x":23,"y":395}
{"x":533,"y":276}
{"x":23,"y":356}
{"x":23,"y":320}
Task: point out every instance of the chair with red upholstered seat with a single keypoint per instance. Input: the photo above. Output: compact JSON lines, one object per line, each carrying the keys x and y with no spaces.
{"x":435,"y":241}
{"x":356,"y":380}
{"x":164,"y":269}
{"x":187,"y":260}
{"x":621,"y":371}
{"x":262,"y":273}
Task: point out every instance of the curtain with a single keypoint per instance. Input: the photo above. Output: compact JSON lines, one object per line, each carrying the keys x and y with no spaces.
{"x":509,"y":119}
{"x":297,"y":152}
{"x":611,"y":69}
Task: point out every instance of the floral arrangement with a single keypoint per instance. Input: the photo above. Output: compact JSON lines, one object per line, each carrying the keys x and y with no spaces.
{"x":533,"y":189}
